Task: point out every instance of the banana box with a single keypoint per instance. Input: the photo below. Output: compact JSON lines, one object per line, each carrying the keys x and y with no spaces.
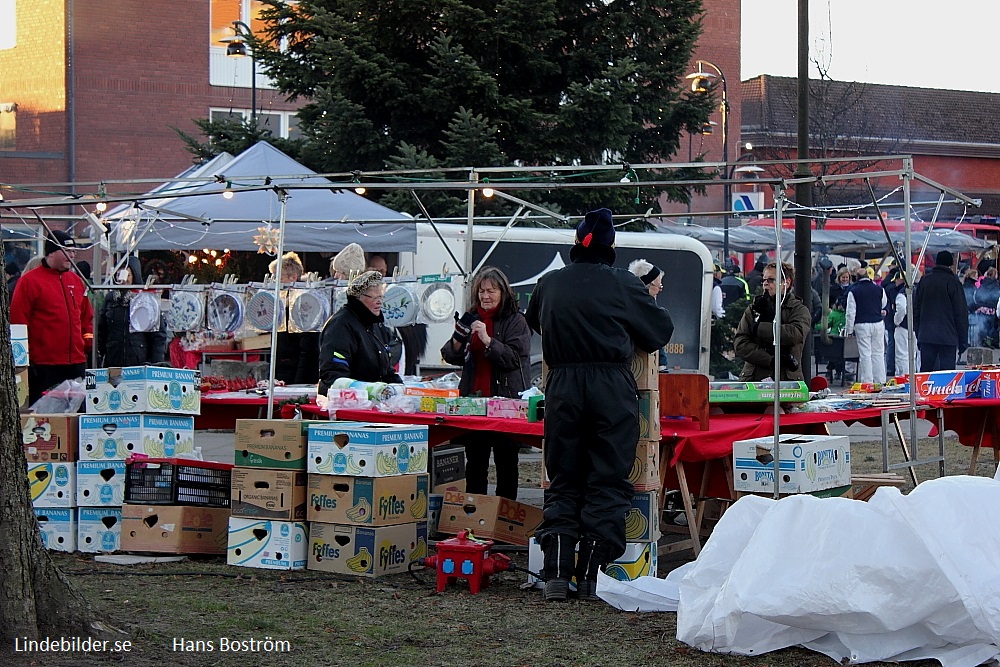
{"x":267,"y":545}
{"x":649,"y":414}
{"x":111,"y":437}
{"x":49,"y":437}
{"x":100,"y":483}
{"x":272,"y":443}
{"x":21,"y":388}
{"x":52,"y":484}
{"x":58,"y":528}
{"x":646,"y":371}
{"x":805,"y":463}
{"x":175,"y":529}
{"x":366,"y":552}
{"x":99,"y":529}
{"x":368,"y":501}
{"x":447,"y":468}
{"x":368,"y":450}
{"x":645,"y":471}
{"x":19,"y":344}
{"x":642,"y":519}
{"x":639,"y":560}
{"x":488,"y":517}
{"x":268,"y":494}
{"x":143,"y":389}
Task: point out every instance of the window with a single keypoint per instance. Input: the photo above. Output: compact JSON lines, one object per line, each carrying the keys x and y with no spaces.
{"x":284,"y":124}
{"x":8,"y":24}
{"x":224,"y":70}
{"x":8,"y":126}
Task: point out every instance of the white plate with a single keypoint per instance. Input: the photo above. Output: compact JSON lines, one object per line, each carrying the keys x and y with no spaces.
{"x":438,"y":303}
{"x":187,"y":309}
{"x":399,"y":306}
{"x":310,"y":310}
{"x":225,"y":312}
{"x":144,"y":313}
{"x":339,"y":298}
{"x":260,"y":311}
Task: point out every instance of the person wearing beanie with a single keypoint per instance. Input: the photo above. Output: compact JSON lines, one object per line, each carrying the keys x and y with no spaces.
{"x":348,"y":263}
{"x":355,"y":342}
{"x":117,"y":345}
{"x":297,"y":352}
{"x":940,"y":316}
{"x":52,"y":301}
{"x":593,"y":318}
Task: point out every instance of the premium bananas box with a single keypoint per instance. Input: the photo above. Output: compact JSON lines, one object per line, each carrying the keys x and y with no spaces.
{"x":143,"y":389}
{"x":268,"y":545}
{"x":19,"y":344}
{"x":100,"y":483}
{"x":52,"y":484}
{"x":489,"y":517}
{"x":99,"y":529}
{"x":368,"y":450}
{"x":58,"y":528}
{"x":272,"y":443}
{"x":645,"y":472}
{"x":642,"y":519}
{"x":49,"y":437}
{"x":363,"y":551}
{"x":649,"y":414}
{"x":645,"y":370}
{"x":175,"y":529}
{"x":806,"y":463}
{"x":369,"y":501}
{"x":639,"y":560}
{"x":116,"y":437}
{"x":269,"y":494}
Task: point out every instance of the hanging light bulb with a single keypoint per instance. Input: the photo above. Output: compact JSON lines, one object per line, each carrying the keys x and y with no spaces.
{"x":228,"y":192}
{"x":488,"y":192}
{"x":102,"y":206}
{"x":192,"y":259}
{"x":361,"y":190}
{"x":218,"y":262}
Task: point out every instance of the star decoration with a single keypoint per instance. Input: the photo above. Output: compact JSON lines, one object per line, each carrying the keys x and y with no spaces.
{"x":266,"y":240}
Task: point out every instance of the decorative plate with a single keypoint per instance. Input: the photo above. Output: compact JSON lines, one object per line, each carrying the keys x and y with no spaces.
{"x":225,"y":312}
{"x":310,"y":310}
{"x":260,"y":311}
{"x":399,"y":306}
{"x":438,"y":303}
{"x":187,"y":310}
{"x":144,"y":312}
{"x":339,"y":298}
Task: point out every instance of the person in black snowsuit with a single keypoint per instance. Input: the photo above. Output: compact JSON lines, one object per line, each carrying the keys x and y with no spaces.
{"x":593,"y":318}
{"x":116,"y":345}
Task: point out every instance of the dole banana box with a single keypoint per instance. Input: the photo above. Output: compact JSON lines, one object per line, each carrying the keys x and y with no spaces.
{"x":368,"y":501}
{"x":365,"y":551}
{"x":639,"y":560}
{"x":118,"y":436}
{"x":100,"y":483}
{"x":642,"y":522}
{"x":49,"y":437}
{"x":258,"y":493}
{"x":99,"y":529}
{"x":806,"y":463}
{"x":645,"y":471}
{"x":272,"y":443}
{"x":143,"y":389}
{"x":19,"y":344}
{"x":175,"y":529}
{"x":447,"y":469}
{"x":489,"y":517}
{"x":645,"y":370}
{"x":368,"y":450}
{"x":649,"y":414}
{"x":52,"y":484}
{"x":268,"y":545}
{"x":58,"y":528}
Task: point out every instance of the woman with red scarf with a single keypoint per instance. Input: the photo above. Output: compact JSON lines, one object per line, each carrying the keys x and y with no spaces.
{"x":491,"y":342}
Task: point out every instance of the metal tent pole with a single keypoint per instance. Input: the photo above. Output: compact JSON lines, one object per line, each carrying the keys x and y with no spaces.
{"x":283,"y":196}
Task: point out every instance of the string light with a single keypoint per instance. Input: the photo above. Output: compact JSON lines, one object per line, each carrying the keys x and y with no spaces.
{"x":102,"y":206}
{"x":228,"y":192}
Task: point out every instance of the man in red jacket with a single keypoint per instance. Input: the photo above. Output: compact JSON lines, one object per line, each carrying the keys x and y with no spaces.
{"x":52,"y":301}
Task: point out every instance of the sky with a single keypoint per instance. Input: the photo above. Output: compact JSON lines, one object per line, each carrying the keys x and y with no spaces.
{"x":944,"y":44}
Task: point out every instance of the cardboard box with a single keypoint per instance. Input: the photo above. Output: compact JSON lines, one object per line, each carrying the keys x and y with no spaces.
{"x":366,"y":552}
{"x":507,"y":408}
{"x":645,"y":370}
{"x":269,"y":494}
{"x":645,"y":472}
{"x":19,"y":344}
{"x":461,"y":405}
{"x":536,"y":408}
{"x":367,"y":501}
{"x":175,"y":529}
{"x":143,"y":389}
{"x":49,"y":437}
{"x":639,"y":560}
{"x":649,"y":414}
{"x":100,"y":483}
{"x":58,"y":528}
{"x":268,"y":545}
{"x":118,"y":436}
{"x":21,"y":387}
{"x":430,"y":391}
{"x":272,"y":443}
{"x":259,"y":342}
{"x":52,"y":484}
{"x":792,"y":391}
{"x":806,"y":463}
{"x":488,"y":517}
{"x":947,"y":385}
{"x":642,"y":521}
{"x":447,"y":469}
{"x":99,"y":529}
{"x":369,"y":450}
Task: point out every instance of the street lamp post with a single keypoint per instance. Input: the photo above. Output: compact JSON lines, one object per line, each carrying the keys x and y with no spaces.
{"x":699,"y":84}
{"x":236,"y":48}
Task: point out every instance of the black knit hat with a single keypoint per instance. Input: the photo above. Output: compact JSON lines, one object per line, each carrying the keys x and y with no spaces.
{"x":57,"y":240}
{"x":596,"y":228}
{"x":944,"y":258}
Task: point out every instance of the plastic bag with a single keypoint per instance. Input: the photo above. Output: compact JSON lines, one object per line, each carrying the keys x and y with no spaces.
{"x":449,"y":381}
{"x":66,"y":397}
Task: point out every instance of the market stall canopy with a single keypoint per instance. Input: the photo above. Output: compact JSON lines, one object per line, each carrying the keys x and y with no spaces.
{"x":170,"y":218}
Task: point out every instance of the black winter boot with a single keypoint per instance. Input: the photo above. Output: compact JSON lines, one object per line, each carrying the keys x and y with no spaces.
{"x":559,"y":552}
{"x":594,"y":555}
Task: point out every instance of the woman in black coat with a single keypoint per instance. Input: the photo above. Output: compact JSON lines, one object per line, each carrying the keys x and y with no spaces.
{"x":491,"y":342}
{"x":117,"y":345}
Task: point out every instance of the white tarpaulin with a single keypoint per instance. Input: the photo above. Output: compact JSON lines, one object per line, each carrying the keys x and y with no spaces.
{"x":896,"y":578}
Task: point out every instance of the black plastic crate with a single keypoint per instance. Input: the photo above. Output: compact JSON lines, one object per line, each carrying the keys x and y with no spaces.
{"x":177,"y":482}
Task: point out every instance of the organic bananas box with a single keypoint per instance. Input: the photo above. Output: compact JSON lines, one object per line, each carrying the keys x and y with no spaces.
{"x":646,"y":371}
{"x":649,"y":414}
{"x":49,"y":437}
{"x":639,"y":560}
{"x":272,"y":443}
{"x":364,"y":551}
{"x":645,"y":471}
{"x":143,"y":389}
{"x":99,"y":529}
{"x":175,"y":529}
{"x":104,"y":437}
{"x":642,"y":522}
{"x":367,"y":450}
{"x":19,"y":344}
{"x":806,"y":463}
{"x":52,"y":484}
{"x":58,"y":528}
{"x":489,"y":517}
{"x":268,"y":545}
{"x":100,"y":483}
{"x":268,"y":494}
{"x":368,"y":501}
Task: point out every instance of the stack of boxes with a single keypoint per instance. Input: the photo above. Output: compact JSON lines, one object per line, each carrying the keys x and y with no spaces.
{"x":367,"y":497}
{"x":19,"y":349}
{"x":50,"y":450}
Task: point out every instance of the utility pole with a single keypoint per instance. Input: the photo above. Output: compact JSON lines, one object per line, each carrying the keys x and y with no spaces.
{"x":803,"y":191}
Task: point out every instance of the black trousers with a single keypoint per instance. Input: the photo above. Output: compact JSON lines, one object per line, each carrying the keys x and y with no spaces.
{"x":591,"y":432}
{"x":42,"y":378}
{"x":937,"y":357}
{"x":477,"y":463}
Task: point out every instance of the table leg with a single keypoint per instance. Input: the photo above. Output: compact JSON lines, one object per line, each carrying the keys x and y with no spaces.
{"x":905,"y":447}
{"x":688,"y":508}
{"x":979,"y":443}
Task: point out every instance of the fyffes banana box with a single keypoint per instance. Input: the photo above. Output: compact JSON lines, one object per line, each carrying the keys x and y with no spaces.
{"x":100,"y":483}
{"x":368,"y":501}
{"x":143,"y":389}
{"x":363,"y":551}
{"x":116,"y":437}
{"x":639,"y":560}
{"x":649,"y":414}
{"x":645,"y":471}
{"x":368,"y":450}
{"x":58,"y":528}
{"x":99,"y":529}
{"x":645,"y":370}
{"x":642,"y":519}
{"x":52,"y":484}
{"x":268,"y":545}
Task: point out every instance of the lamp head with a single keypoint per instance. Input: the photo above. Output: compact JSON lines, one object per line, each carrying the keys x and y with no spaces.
{"x":236,"y":49}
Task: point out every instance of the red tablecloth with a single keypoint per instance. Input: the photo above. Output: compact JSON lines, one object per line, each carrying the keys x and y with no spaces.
{"x":970,"y":417}
{"x":442,"y":428}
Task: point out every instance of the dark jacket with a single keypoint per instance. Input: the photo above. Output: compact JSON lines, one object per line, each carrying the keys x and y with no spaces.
{"x":298,"y":357}
{"x":356,"y":344}
{"x":116,"y":345}
{"x":755,"y":344}
{"x":507,"y":354}
{"x":940,"y":312}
